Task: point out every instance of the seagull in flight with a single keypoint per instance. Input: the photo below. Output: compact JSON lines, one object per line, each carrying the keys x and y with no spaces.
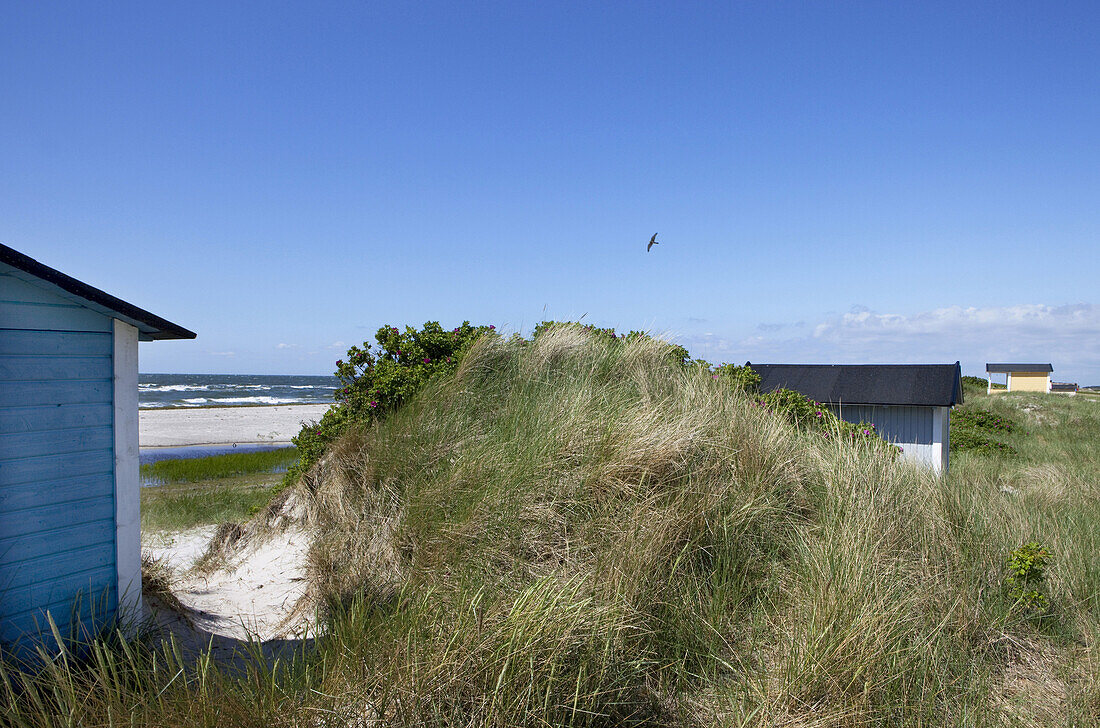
{"x":652,"y":242}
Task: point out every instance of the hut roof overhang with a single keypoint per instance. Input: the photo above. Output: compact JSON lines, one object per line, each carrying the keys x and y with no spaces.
{"x":150,"y":326}
{"x":1008,"y":368}
{"x":920,"y":385}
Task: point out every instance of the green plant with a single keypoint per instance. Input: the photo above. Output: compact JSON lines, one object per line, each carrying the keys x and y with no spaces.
{"x":742,"y":377}
{"x":808,"y":415}
{"x":379,"y":378}
{"x":980,"y":444}
{"x":1026,"y":565}
{"x":984,"y":420}
{"x":978,"y":431}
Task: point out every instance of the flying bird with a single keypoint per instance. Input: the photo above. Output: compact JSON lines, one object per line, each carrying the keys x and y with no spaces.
{"x":652,"y":242}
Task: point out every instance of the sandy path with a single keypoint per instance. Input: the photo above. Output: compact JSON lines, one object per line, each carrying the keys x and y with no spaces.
{"x":224,"y":425}
{"x":255,"y":594}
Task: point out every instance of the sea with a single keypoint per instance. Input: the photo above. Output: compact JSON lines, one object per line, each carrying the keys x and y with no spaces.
{"x":160,"y":391}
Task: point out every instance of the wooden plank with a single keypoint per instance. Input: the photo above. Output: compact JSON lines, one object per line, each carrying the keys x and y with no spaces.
{"x":48,"y":468}
{"x":91,"y":391}
{"x":51,"y":566}
{"x":29,"y":495}
{"x":51,"y":318}
{"x":31,"y":625}
{"x":47,"y":368}
{"x":19,"y":290}
{"x":54,"y":516}
{"x":55,"y":442}
{"x":54,"y":343}
{"x":54,"y":417}
{"x":65,"y":589}
{"x":71,"y":539}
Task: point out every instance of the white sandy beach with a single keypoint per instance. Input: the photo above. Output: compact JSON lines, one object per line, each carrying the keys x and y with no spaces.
{"x":224,"y":425}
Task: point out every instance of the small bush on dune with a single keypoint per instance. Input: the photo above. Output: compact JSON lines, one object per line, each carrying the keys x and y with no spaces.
{"x":979,"y":431}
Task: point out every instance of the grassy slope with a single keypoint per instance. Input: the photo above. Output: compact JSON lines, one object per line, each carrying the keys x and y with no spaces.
{"x":576,"y":533}
{"x":581,"y":532}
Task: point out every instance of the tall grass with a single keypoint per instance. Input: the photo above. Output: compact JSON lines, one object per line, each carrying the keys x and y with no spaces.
{"x":575,"y":532}
{"x":193,"y":470}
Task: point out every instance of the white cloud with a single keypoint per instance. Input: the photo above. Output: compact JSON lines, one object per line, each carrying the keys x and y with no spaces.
{"x":1066,"y":336}
{"x":282,"y":345}
{"x":337,"y":345}
{"x":222,"y":353}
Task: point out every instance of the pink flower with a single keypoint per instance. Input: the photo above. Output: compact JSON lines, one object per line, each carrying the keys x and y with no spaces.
{"x":373,"y":404}
{"x":427,"y":360}
{"x":491,"y":327}
{"x":713,"y":376}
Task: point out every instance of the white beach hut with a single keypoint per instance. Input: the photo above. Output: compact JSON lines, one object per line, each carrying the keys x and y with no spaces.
{"x":909,"y":404}
{"x":69,"y":488}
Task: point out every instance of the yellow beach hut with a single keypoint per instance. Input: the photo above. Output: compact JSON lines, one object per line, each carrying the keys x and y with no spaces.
{"x":1021,"y":377}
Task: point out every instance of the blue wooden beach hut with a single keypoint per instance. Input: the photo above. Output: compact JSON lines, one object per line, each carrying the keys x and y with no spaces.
{"x":69,"y":489}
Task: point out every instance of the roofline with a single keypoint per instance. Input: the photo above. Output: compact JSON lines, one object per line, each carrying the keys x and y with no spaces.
{"x":1004,"y":368}
{"x":150,"y":326}
{"x":846,"y":366}
{"x":956,"y":394}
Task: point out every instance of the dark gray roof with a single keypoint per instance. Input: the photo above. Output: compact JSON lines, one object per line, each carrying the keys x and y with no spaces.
{"x":926,"y":385}
{"x":149,"y":325}
{"x":1003,"y":368}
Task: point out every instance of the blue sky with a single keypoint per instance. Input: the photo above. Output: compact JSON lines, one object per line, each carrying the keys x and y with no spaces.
{"x":831,"y":182}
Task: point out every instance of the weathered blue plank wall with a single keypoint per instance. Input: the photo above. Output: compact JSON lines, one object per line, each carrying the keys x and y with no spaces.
{"x":57,"y":510}
{"x":911,"y":428}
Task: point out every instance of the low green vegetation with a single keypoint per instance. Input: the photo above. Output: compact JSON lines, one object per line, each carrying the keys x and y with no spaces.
{"x":579,"y":530}
{"x":980,"y":431}
{"x":220,"y":500}
{"x":210,"y":490}
{"x":194,"y":470}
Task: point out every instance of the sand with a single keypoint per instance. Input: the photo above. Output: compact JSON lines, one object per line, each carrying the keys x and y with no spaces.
{"x":253,"y":600}
{"x":224,"y":425}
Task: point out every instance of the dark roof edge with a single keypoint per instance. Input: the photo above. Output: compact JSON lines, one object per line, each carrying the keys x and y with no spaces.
{"x":161,"y":328}
{"x":1003,"y":368}
{"x":956,"y":396}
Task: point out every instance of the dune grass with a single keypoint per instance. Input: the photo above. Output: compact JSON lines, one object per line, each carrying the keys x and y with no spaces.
{"x":194,"y":470}
{"x":186,"y":505}
{"x":575,"y":532}
{"x":210,"y":490}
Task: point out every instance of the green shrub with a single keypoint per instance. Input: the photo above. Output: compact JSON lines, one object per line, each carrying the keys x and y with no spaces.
{"x":984,"y":420}
{"x":806,"y":414}
{"x":1026,"y":565}
{"x":738,"y":377}
{"x":978,"y":430}
{"x":973,"y":441}
{"x":380,"y":378}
